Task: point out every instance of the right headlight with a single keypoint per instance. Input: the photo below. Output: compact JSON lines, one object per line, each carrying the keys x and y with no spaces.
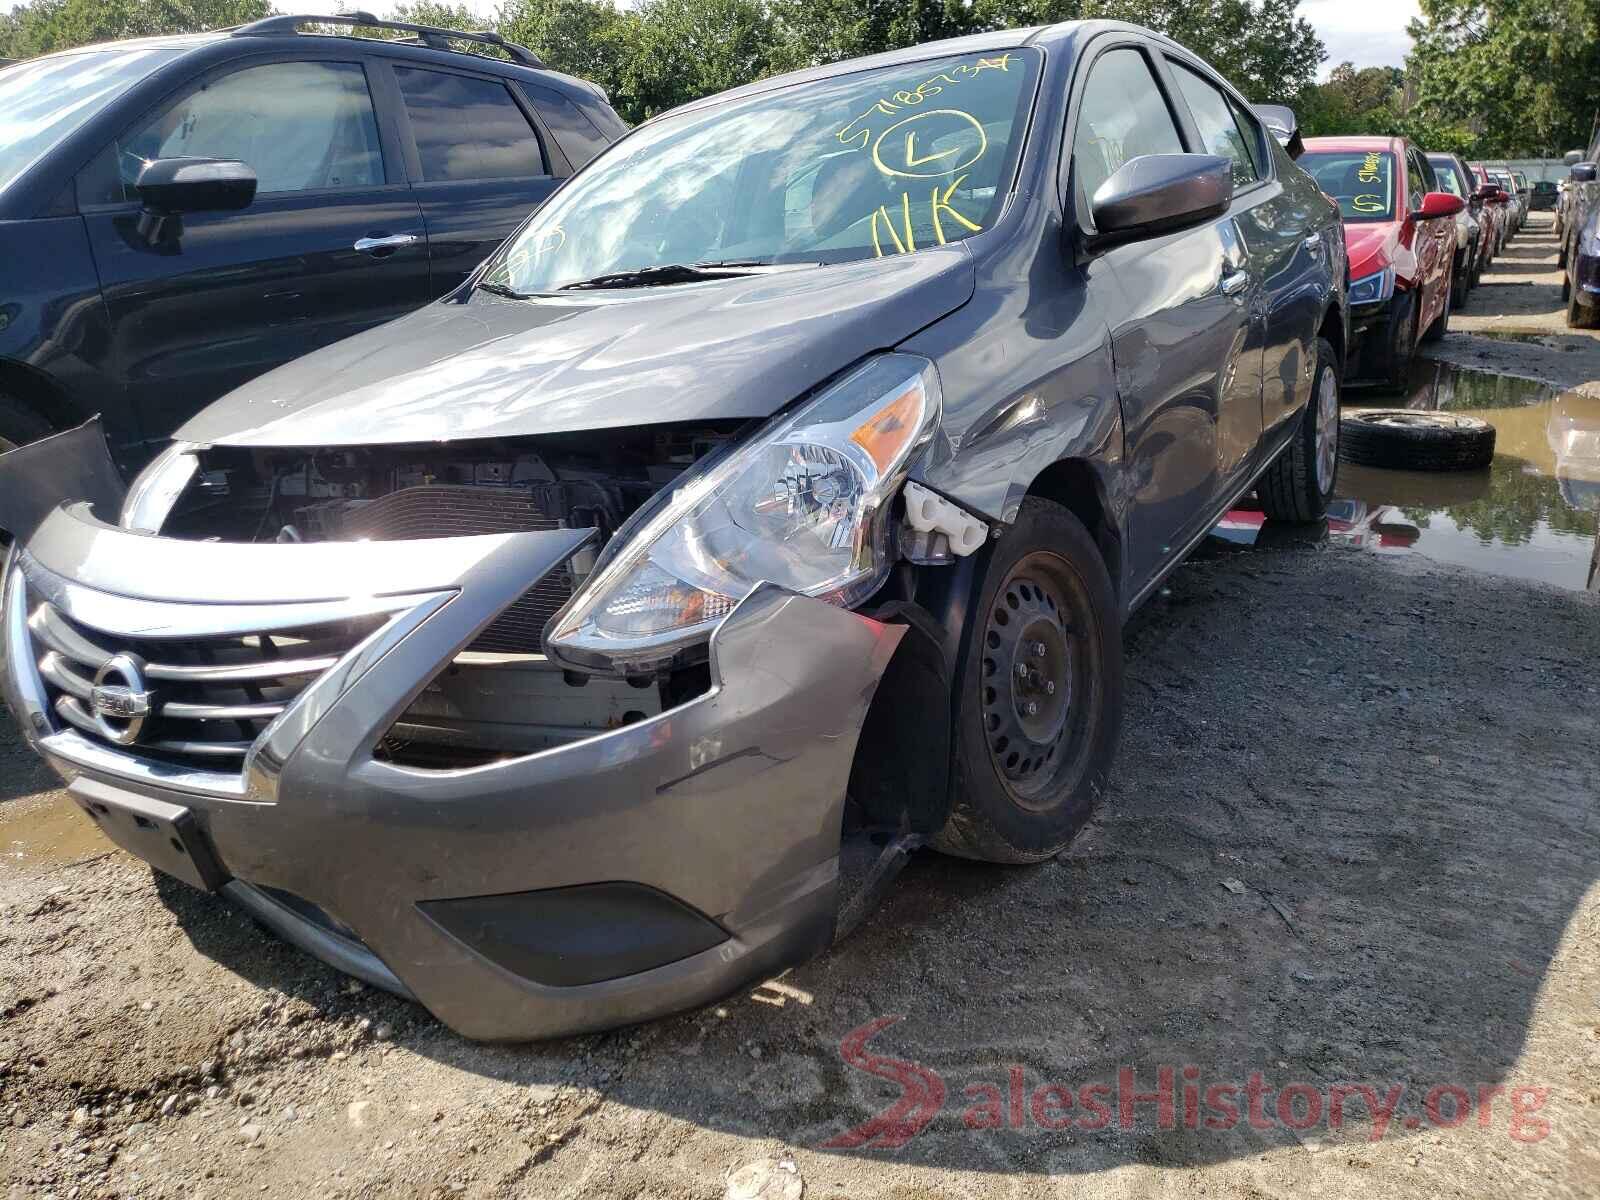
{"x":1371,"y":288}
{"x":803,"y":505}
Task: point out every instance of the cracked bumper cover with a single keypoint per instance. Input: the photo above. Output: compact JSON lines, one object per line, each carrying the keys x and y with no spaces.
{"x":727,"y":807}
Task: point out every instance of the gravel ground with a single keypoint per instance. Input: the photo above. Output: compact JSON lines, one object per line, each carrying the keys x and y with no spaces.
{"x":1351,"y":840}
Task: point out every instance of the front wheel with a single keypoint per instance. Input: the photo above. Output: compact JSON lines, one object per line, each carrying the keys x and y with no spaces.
{"x":1299,"y":484}
{"x":1039,"y":692}
{"x":1460,"y":281}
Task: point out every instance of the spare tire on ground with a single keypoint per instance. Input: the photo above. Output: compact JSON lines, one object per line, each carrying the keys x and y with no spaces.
{"x":1411,"y":439}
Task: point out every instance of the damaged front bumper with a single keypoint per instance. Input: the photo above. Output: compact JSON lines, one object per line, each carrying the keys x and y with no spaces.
{"x":618,"y":876}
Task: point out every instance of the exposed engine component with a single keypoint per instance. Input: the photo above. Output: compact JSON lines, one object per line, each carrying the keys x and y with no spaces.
{"x":383,"y":493}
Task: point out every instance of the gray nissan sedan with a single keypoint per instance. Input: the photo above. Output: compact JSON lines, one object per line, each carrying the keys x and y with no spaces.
{"x":601,"y":638}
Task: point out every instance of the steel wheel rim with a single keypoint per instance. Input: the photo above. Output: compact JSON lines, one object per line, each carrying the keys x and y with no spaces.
{"x":1327,"y":429}
{"x":1031,"y":680}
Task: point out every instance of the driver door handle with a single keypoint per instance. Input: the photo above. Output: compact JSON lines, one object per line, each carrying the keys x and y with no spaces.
{"x":379,"y":246}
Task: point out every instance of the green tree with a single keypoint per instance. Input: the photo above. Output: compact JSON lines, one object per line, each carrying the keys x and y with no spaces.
{"x":47,"y":25}
{"x":1523,"y":72}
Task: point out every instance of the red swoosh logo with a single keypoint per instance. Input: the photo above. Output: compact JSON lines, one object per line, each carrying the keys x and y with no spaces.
{"x":922,"y":1093}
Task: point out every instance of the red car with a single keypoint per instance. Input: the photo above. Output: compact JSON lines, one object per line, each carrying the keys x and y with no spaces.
{"x":1496,"y":203}
{"x":1401,"y":235}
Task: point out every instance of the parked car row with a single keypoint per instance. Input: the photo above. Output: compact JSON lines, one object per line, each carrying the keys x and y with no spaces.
{"x":596,"y":639}
{"x":1580,"y":239}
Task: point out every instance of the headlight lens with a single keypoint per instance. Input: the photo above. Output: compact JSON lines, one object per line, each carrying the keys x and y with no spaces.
{"x":157,"y":488}
{"x":1372,"y":288}
{"x":801,"y":505}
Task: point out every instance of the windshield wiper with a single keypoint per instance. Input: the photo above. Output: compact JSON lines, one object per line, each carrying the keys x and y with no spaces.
{"x":500,"y":289}
{"x":669,"y":273}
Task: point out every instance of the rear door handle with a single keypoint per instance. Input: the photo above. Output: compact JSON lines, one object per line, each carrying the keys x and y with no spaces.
{"x":380,"y":246}
{"x":1313,"y":243}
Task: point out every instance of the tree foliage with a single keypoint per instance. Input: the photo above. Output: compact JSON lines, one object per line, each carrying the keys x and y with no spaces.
{"x":1372,"y":101}
{"x":657,"y":54}
{"x":1524,"y":73}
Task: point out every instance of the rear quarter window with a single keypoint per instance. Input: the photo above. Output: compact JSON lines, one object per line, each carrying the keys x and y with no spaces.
{"x":580,"y":140}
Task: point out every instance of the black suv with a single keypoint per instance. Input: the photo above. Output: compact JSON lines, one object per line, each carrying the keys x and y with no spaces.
{"x":179,"y":214}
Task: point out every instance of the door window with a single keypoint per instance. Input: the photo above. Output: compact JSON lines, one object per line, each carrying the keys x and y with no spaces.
{"x":1123,"y":115}
{"x":1415,"y":181}
{"x":303,"y":126}
{"x":468,"y":128}
{"x":1220,"y":132}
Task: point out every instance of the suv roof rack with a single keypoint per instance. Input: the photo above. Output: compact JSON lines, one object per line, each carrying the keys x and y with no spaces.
{"x":427,"y":35}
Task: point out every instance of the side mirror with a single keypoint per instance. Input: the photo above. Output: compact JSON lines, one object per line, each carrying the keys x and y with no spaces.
{"x":1440,"y":204}
{"x":1283,"y":125}
{"x":1583,"y":172}
{"x":1160,"y":193}
{"x":170,"y":187}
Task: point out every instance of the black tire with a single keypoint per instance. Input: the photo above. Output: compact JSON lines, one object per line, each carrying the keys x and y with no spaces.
{"x":1460,"y":281}
{"x":1561,"y":254}
{"x":1441,"y":323}
{"x":1415,"y":440}
{"x":1300,"y":482}
{"x":19,"y":424}
{"x":1580,"y":316}
{"x":1024,"y":784}
{"x":1402,"y":339}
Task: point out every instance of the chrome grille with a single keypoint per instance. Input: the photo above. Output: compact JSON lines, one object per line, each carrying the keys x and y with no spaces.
{"x":209,"y":698}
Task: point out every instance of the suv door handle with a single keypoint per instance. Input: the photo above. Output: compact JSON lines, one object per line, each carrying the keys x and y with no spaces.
{"x":1313,"y":243}
{"x":1234,"y":281}
{"x":379,"y":246}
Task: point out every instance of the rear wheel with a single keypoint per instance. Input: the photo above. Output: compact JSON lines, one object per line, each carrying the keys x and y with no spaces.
{"x":19,"y":424}
{"x":1402,"y":339}
{"x":1298,"y":486}
{"x":1460,"y":281}
{"x":1039,"y":696}
{"x":1580,"y":316}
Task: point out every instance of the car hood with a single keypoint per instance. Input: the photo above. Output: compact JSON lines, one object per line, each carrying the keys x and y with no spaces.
{"x":1371,"y":246}
{"x":494,"y":367}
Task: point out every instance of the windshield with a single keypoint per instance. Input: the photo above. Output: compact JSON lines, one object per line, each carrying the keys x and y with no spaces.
{"x":43,"y":101}
{"x":1449,"y":178}
{"x":879,"y":162}
{"x":1362,"y":182}
{"x":1522,"y":180}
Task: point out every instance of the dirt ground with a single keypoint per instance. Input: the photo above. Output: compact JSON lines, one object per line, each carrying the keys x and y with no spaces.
{"x":1515,"y":321}
{"x":1351,"y":841}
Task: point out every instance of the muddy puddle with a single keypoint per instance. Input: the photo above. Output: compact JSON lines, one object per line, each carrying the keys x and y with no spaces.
{"x":44,"y":831}
{"x":1531,"y":515}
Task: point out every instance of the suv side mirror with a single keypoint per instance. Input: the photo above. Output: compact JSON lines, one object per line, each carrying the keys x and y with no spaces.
{"x":1159,"y":193}
{"x":1439,"y":204}
{"x":170,"y":187}
{"x":1283,"y":125}
{"x":1583,"y":172}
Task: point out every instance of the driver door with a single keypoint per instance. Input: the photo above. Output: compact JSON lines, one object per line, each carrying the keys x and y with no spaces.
{"x":333,"y":244}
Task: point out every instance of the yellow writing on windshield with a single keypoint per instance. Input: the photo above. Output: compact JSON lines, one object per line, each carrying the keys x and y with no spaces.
{"x":959,"y":133}
{"x":942,"y":206}
{"x":858,"y":133}
{"x":900,"y":230}
{"x":1369,"y":172}
{"x":1368,"y":203}
{"x":902,"y":247}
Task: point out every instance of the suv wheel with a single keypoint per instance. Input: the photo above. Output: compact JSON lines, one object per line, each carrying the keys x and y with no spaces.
{"x":1299,"y":484}
{"x":19,"y":424}
{"x":1579,"y":316}
{"x":1039,"y":699}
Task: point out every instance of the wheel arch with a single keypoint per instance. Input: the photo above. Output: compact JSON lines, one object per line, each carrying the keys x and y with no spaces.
{"x":41,"y":394}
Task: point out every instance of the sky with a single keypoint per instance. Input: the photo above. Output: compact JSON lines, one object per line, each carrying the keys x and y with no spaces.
{"x":1366,"y":32}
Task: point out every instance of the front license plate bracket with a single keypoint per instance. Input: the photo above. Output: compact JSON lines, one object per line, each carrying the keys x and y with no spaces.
{"x":165,"y":835}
